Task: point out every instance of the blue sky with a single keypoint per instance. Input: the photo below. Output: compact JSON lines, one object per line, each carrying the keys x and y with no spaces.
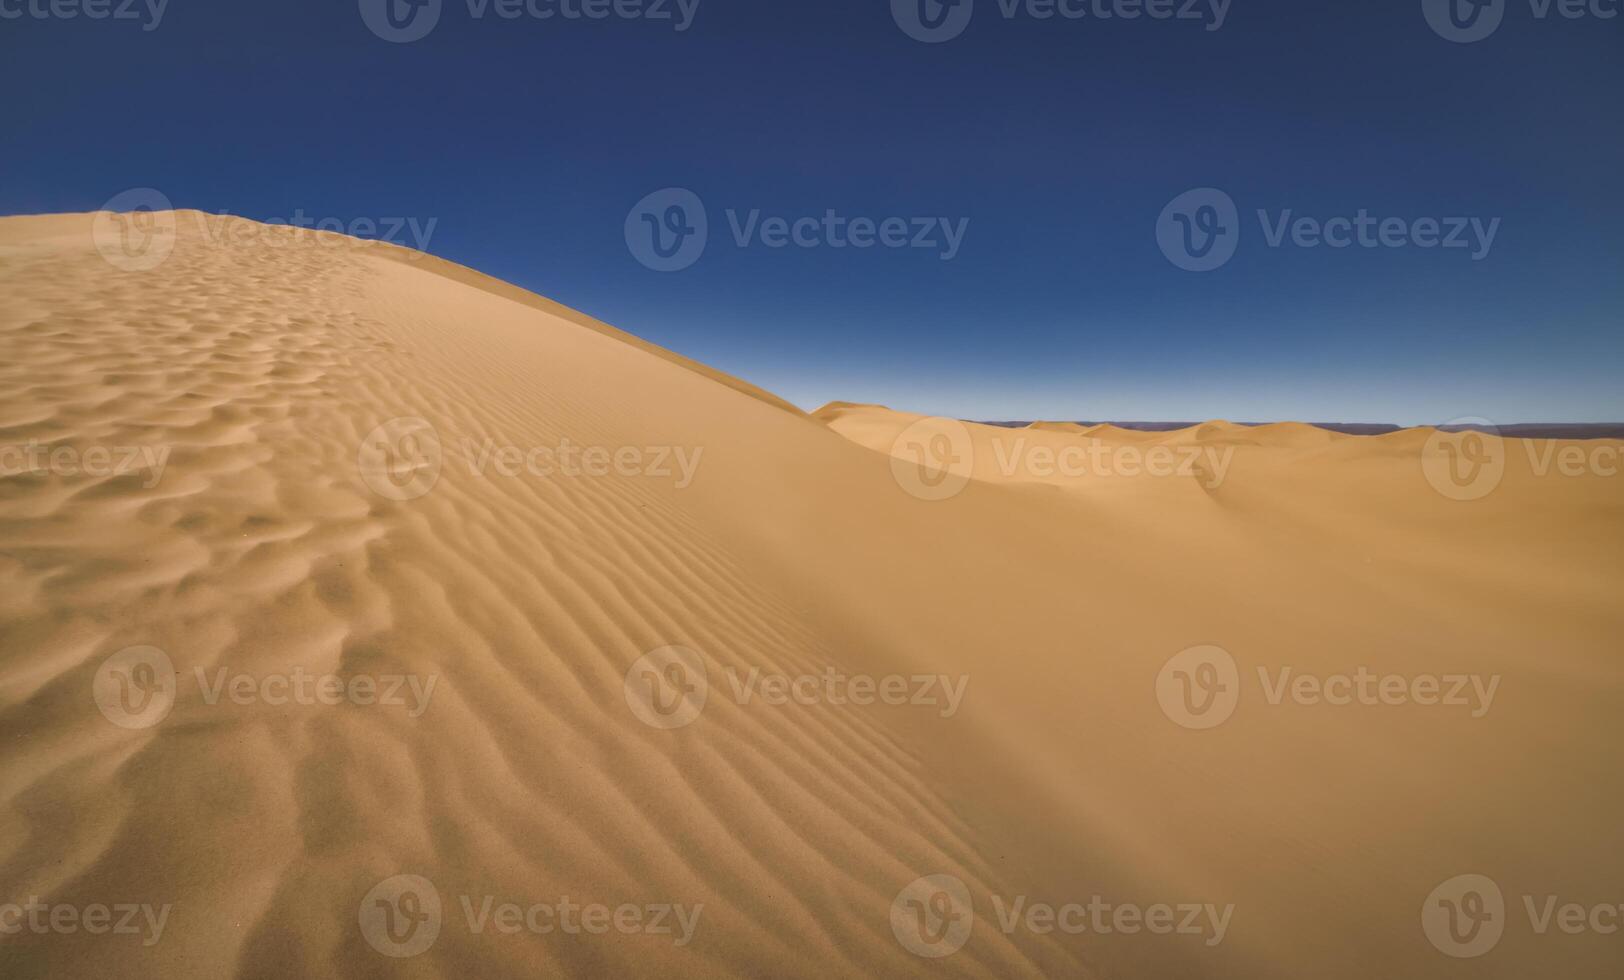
{"x":1052,"y":145}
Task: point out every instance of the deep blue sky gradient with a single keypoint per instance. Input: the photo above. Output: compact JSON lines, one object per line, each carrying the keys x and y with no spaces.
{"x":1060,"y":141}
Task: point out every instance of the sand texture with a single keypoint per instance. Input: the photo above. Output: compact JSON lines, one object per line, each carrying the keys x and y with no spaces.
{"x":363,"y":476}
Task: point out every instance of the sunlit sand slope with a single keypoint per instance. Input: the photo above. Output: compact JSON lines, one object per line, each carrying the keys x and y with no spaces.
{"x":349,"y":599}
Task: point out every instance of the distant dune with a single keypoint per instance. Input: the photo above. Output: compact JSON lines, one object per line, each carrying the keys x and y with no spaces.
{"x":366,"y":476}
{"x":1521,"y":430}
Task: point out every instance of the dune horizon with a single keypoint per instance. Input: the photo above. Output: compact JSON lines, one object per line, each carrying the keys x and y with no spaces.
{"x":366,"y":615}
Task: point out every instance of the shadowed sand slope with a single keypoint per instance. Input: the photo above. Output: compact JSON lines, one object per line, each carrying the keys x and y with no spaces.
{"x":350,"y":598}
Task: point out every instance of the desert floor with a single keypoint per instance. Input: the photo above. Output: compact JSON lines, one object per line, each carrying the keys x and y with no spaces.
{"x":350,"y":598}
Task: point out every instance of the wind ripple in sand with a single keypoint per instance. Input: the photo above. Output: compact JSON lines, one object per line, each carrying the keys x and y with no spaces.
{"x":317,"y":490}
{"x":258,"y":547}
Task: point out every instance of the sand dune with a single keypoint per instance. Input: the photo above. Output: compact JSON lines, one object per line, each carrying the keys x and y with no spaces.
{"x":332,"y":460}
